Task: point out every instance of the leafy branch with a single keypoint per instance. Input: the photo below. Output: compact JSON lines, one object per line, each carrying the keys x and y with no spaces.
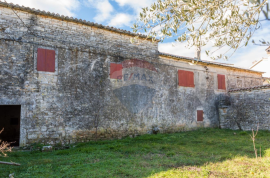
{"x":224,"y":23}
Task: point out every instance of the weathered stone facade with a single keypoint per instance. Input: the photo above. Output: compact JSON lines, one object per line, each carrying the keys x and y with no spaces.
{"x":80,"y":101}
{"x":246,"y":109}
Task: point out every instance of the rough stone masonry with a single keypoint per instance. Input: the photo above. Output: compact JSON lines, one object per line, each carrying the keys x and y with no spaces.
{"x":247,"y":109}
{"x":102,"y":86}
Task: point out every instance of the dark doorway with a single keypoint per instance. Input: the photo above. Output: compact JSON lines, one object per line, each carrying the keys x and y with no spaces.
{"x":10,"y":120}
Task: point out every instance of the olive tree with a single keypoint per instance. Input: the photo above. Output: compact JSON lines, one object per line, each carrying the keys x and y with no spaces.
{"x":224,"y":23}
{"x":4,"y":147}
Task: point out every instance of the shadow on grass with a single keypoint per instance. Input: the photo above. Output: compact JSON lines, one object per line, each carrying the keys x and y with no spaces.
{"x":185,"y":154}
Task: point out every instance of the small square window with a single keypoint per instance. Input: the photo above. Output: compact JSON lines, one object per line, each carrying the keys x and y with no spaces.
{"x":45,"y":60}
{"x":199,"y":115}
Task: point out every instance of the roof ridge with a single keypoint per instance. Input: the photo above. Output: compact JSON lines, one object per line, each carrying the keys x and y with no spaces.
{"x":67,"y":18}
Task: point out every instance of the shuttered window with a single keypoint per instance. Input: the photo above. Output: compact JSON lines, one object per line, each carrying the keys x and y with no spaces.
{"x":221,"y":82}
{"x":46,"y":60}
{"x":199,"y":115}
{"x":116,"y":71}
{"x":185,"y":78}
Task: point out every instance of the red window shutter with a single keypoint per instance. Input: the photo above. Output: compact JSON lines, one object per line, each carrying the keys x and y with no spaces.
{"x":185,"y":78}
{"x":46,"y":60}
{"x":116,"y":71}
{"x":182,"y":80}
{"x":199,"y":115}
{"x":190,"y":79}
{"x":50,"y":60}
{"x":221,"y":82}
{"x":41,"y":59}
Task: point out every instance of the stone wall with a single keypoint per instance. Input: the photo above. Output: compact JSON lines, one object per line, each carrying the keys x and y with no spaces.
{"x":246,"y":109}
{"x":81,"y":102}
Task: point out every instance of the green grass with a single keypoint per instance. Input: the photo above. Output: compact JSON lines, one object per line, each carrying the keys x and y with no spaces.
{"x":201,"y":153}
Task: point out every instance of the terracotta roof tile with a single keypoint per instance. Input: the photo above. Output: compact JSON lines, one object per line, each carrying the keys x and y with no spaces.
{"x":250,"y":88}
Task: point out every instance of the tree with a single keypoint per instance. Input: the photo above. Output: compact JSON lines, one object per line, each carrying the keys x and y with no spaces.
{"x":4,"y":147}
{"x":225,"y":23}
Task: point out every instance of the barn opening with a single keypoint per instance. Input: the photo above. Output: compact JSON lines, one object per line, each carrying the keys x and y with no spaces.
{"x":10,"y":121}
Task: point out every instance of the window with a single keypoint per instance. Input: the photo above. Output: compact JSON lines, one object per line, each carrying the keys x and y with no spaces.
{"x":199,"y":115}
{"x":221,"y":82}
{"x":116,"y":71}
{"x":185,"y":78}
{"x":45,"y":60}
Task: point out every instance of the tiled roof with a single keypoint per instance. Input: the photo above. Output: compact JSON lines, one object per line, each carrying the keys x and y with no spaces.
{"x":66,"y":18}
{"x":250,"y":88}
{"x":188,"y":59}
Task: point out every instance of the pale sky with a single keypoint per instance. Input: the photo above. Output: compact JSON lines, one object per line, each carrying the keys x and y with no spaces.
{"x":123,"y":13}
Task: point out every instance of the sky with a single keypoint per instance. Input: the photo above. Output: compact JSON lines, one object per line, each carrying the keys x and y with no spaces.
{"x":123,"y":13}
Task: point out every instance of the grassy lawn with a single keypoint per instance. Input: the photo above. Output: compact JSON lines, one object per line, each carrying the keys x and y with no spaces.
{"x":201,"y":153}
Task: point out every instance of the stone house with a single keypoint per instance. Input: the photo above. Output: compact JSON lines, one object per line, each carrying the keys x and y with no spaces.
{"x":67,"y":80}
{"x":263,"y":65}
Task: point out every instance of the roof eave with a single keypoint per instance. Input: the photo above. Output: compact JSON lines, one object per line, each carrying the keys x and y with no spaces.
{"x":206,"y":63}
